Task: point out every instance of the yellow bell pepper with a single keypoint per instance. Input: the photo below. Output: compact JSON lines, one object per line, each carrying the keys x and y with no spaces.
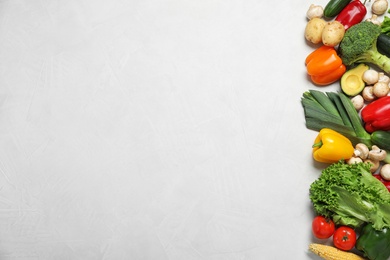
{"x":331,"y":146}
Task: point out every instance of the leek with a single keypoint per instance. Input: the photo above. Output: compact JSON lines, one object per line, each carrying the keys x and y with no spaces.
{"x":334,"y":110}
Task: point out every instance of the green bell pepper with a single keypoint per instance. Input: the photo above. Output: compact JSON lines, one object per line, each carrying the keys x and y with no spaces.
{"x":375,"y":244}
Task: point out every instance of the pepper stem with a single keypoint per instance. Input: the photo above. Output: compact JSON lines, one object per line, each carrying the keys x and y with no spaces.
{"x":319,"y":144}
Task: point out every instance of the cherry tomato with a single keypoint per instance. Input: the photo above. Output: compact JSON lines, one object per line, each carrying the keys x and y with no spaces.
{"x":344,"y":238}
{"x":322,"y":227}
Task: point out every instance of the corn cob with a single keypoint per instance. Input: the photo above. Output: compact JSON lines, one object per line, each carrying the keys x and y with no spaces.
{"x":332,"y":253}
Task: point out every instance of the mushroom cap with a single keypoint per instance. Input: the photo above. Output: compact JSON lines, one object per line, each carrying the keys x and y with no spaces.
{"x":368,"y":94}
{"x":380,"y":89}
{"x":374,"y":165}
{"x":377,"y":154}
{"x":354,"y":159}
{"x":361,"y":150}
{"x":358,"y":102}
{"x":370,"y":76}
{"x":385,"y":172}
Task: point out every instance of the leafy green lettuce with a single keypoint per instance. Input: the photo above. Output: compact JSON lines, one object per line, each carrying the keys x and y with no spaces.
{"x":350,"y":195}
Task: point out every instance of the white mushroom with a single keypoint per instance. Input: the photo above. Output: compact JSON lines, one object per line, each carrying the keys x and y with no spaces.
{"x":358,"y":102}
{"x":385,"y":172}
{"x":377,"y":154}
{"x":379,"y":7}
{"x":374,"y":19}
{"x":354,"y":159}
{"x":368,"y":94}
{"x":315,"y":11}
{"x":374,"y":165}
{"x":383,"y":78}
{"x":380,"y":89}
{"x":370,"y":76}
{"x":361,"y":150}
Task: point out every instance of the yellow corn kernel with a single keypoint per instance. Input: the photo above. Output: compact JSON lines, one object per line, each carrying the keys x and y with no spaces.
{"x":332,"y":253}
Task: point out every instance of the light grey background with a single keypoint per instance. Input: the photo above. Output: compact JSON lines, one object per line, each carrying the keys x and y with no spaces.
{"x":154,"y":129}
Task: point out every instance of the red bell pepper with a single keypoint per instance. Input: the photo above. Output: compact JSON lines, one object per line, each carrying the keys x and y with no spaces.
{"x":352,"y":14}
{"x":324,"y":66}
{"x":376,"y":115}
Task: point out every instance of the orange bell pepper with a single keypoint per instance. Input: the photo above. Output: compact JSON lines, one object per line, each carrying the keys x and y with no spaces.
{"x":324,"y":66}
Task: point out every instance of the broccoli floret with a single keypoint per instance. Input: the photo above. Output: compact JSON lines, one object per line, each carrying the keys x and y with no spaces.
{"x":359,"y":46}
{"x":350,"y":195}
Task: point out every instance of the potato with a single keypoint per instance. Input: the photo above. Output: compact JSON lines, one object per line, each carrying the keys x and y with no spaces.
{"x":313,"y":30}
{"x":333,"y":33}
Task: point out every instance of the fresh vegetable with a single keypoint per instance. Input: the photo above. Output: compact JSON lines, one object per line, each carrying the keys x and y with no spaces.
{"x":375,"y":244}
{"x":358,"y":102}
{"x":379,"y":7}
{"x":363,"y":154}
{"x":331,"y":146}
{"x":368,"y":94}
{"x":385,"y":25}
{"x":381,"y":139}
{"x":334,"y":7}
{"x":370,"y":76}
{"x":344,"y":238}
{"x":314,"y":11}
{"x":376,"y":115}
{"x":377,"y":84}
{"x":385,"y":172}
{"x":383,"y":44}
{"x":352,"y":14}
{"x":361,"y":150}
{"x":348,"y":194}
{"x":335,"y":111}
{"x":374,"y":165}
{"x":352,"y":81}
{"x":351,"y":196}
{"x":387,"y":159}
{"x":324,"y":66}
{"x":380,"y":89}
{"x":385,"y":183}
{"x":331,"y":253}
{"x":377,"y":154}
{"x":359,"y":46}
{"x":313,"y":30}
{"x":383,"y":78}
{"x":333,"y":33}
{"x":322,"y":228}
{"x":374,"y":19}
{"x":331,"y":77}
{"x":354,"y":159}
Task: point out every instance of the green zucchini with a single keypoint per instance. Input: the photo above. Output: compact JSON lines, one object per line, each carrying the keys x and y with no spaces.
{"x":383,"y":44}
{"x":381,"y":139}
{"x":334,"y":7}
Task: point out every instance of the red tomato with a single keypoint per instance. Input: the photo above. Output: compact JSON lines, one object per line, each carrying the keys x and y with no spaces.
{"x":322,"y":228}
{"x":344,"y":238}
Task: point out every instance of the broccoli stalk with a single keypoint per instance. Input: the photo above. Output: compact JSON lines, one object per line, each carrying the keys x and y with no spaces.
{"x":350,"y":195}
{"x":359,"y":46}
